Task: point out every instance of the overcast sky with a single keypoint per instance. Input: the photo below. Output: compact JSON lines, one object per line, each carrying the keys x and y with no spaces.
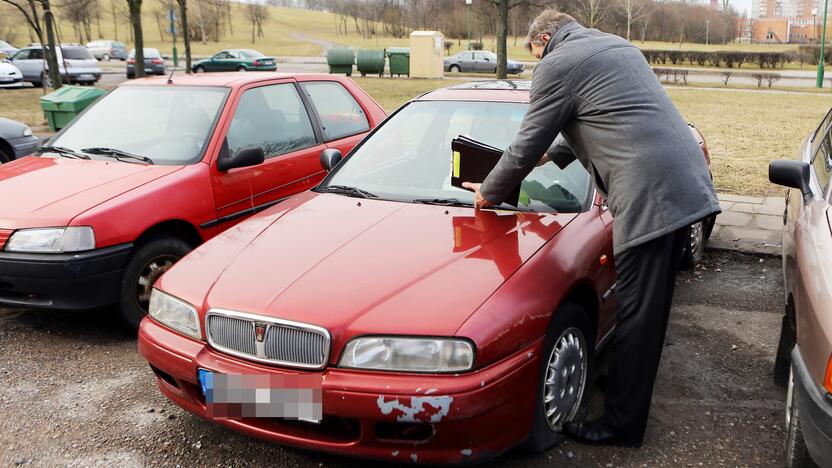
{"x":741,"y":5}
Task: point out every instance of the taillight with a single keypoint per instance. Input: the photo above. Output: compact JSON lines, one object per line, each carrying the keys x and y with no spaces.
{"x":257,"y":63}
{"x":131,"y":61}
{"x":827,"y":380}
{"x":157,"y":61}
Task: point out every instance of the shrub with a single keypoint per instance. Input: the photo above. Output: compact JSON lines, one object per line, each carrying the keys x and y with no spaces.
{"x":726,"y":75}
{"x":476,"y":45}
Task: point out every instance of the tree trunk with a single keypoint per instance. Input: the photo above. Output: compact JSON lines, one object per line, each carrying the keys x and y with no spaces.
{"x":186,"y":34}
{"x":502,"y":32}
{"x":201,"y":21}
{"x":135,"y":7}
{"x":51,"y":55}
{"x":629,"y":17}
{"x":115,"y":19}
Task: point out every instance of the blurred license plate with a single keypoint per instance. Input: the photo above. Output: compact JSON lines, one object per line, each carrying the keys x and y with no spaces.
{"x":236,"y":396}
{"x":85,"y":76}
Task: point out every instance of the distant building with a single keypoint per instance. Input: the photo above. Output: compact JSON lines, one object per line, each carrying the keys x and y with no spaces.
{"x":784,"y":22}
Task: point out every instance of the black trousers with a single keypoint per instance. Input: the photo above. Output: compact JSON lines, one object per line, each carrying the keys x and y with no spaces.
{"x":644,"y":290}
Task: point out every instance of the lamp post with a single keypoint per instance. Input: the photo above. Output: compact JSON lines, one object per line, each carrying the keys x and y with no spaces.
{"x":815,"y":25}
{"x":819,"y":82}
{"x":707,"y":31}
{"x":468,"y":20}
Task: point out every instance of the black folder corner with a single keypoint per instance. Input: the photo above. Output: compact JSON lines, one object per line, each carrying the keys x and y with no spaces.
{"x":472,"y":161}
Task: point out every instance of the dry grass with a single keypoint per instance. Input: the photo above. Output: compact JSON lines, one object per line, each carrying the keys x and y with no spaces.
{"x":745,"y":130}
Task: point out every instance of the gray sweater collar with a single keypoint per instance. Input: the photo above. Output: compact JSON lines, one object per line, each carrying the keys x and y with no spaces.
{"x":562,"y":34}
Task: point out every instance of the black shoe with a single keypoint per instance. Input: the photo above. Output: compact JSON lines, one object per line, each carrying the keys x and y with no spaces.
{"x":596,"y":433}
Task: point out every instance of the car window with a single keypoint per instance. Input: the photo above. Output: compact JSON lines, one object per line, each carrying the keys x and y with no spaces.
{"x":252,"y":53}
{"x":76,"y":53}
{"x":152,"y":53}
{"x":409,"y":156}
{"x":273,"y":118}
{"x":5,"y":45}
{"x":234,"y":54}
{"x":222,"y":55}
{"x":340,"y":113}
{"x":822,"y":161}
{"x":22,"y":55}
{"x":822,"y":129}
{"x":35,"y":54}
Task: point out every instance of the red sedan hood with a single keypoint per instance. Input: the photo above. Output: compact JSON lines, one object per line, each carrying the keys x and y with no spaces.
{"x":359,"y":266}
{"x":39,"y":191}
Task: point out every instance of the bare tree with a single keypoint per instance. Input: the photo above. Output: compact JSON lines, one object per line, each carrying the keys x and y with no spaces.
{"x":183,"y":18}
{"x":503,"y":8}
{"x":634,"y":10}
{"x":31,"y":11}
{"x":135,"y":8}
{"x":256,"y":14}
{"x":591,"y":13}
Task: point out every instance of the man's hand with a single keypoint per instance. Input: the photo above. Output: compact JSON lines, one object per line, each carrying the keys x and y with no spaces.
{"x":479,"y":200}
{"x":543,"y":160}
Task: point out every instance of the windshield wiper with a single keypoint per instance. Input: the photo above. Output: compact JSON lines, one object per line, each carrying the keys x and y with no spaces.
{"x":117,"y":154}
{"x":65,"y":152}
{"x":348,"y":191}
{"x":458,"y":202}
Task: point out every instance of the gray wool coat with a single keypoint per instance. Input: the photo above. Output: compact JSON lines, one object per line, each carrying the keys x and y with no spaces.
{"x":599,"y":93}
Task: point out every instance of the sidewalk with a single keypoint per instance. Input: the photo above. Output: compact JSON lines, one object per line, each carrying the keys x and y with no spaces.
{"x":749,"y":224}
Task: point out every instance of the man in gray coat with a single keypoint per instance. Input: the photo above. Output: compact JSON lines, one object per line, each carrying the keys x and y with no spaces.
{"x":599,"y":93}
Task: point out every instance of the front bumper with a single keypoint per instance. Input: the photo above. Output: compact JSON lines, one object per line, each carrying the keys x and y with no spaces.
{"x":85,"y":280}
{"x":24,"y":145}
{"x":490,"y":410}
{"x":815,"y":409}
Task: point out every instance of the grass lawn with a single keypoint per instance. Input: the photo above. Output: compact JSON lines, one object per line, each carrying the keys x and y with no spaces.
{"x":745,"y":130}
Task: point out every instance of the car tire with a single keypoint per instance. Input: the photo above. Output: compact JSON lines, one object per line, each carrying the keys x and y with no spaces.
{"x":4,"y":158}
{"x":199,"y":69}
{"x":454,"y":69}
{"x":105,"y":58}
{"x":695,"y":247}
{"x":797,"y":455}
{"x":570,"y":345}
{"x":149,"y":261}
{"x":242,"y":69}
{"x":783,"y":358}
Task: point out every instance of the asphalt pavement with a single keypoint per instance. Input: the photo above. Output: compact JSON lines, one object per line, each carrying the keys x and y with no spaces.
{"x":74,"y":391}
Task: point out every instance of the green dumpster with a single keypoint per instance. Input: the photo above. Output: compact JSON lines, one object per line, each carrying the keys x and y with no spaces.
{"x":399,"y":58}
{"x":370,"y":61}
{"x":61,"y":106}
{"x":340,"y":60}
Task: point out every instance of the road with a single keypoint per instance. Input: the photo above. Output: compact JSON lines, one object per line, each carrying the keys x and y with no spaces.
{"x":74,"y":392}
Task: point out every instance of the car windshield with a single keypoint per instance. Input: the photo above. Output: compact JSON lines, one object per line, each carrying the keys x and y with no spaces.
{"x":252,"y":53}
{"x":409,"y":157}
{"x":170,"y":125}
{"x":76,"y":53}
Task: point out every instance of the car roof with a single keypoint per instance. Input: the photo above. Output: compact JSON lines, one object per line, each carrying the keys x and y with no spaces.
{"x":493,"y":90}
{"x":230,"y":79}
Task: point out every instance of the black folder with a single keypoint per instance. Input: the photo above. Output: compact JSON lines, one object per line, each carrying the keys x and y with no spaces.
{"x":472,"y":161}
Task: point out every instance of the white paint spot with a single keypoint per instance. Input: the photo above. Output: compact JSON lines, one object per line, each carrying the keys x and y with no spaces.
{"x":410,"y":413}
{"x":482,"y":384}
{"x":414,"y":457}
{"x":428,"y":392}
{"x":395,"y":453}
{"x":529,"y":355}
{"x":418,"y":389}
{"x":465,"y":452}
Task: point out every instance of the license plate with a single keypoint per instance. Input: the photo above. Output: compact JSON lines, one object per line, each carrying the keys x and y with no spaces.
{"x":85,"y":76}
{"x":148,"y":70}
{"x":236,"y":396}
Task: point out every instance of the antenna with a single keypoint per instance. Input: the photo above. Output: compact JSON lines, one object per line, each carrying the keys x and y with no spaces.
{"x":170,"y":78}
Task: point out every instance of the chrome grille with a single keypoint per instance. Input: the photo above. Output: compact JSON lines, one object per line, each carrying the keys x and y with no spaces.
{"x":282,"y":342}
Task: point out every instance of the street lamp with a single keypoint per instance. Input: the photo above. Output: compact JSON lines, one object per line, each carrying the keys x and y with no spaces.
{"x":819,"y":82}
{"x":707,"y":30}
{"x":468,"y":20}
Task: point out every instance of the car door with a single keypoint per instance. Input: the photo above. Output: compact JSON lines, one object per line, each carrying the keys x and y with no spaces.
{"x":466,"y":62}
{"x":342,"y":119}
{"x":222,"y":61}
{"x":809,"y":249}
{"x":27,"y":65}
{"x":274,"y":117}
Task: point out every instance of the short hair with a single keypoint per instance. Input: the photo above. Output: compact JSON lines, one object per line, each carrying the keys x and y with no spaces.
{"x":548,"y":22}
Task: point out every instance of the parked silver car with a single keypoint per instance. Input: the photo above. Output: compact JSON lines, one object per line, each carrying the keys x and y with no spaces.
{"x":154,"y":64}
{"x":479,"y":61}
{"x":74,"y":62}
{"x":105,"y":50}
{"x":16,"y":140}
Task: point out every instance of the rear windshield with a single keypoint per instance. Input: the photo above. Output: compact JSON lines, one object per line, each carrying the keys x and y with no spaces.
{"x":76,"y":53}
{"x":148,"y":53}
{"x":252,"y":53}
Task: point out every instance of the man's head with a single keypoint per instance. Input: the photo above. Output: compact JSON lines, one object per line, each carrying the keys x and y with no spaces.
{"x":543,"y":28}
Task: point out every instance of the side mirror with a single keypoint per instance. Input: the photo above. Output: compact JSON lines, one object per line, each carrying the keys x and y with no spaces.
{"x":794,"y":174}
{"x":244,"y":157}
{"x":330,"y":158}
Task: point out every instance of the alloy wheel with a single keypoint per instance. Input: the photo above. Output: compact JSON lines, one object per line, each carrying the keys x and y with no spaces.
{"x":697,"y":239}
{"x":789,"y":399}
{"x":565,"y":378}
{"x":151,"y":271}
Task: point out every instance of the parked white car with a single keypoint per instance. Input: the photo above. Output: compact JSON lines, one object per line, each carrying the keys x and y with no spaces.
{"x":75,"y":62}
{"x":10,"y":75}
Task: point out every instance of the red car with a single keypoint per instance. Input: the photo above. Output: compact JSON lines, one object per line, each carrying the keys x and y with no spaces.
{"x":154,"y":169}
{"x":381,"y":316}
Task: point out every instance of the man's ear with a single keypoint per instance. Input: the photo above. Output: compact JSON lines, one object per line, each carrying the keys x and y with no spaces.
{"x":545,"y":38}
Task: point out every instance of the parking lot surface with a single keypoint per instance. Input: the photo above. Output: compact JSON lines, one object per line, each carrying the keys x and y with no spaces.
{"x":74,"y":392}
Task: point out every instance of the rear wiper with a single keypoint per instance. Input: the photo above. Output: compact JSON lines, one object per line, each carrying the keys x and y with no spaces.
{"x":65,"y":152}
{"x":117,"y":154}
{"x":348,"y":191}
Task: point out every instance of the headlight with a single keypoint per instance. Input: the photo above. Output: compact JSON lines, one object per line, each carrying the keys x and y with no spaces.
{"x":408,"y":354}
{"x":174,"y":313}
{"x":27,"y":132}
{"x":52,"y":240}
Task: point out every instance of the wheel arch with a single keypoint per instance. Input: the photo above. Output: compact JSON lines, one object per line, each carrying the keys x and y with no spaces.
{"x":175,"y":228}
{"x":584,"y":295}
{"x":6,"y":147}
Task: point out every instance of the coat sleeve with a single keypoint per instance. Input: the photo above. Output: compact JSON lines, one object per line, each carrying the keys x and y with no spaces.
{"x":561,"y":153}
{"x":549,"y":111}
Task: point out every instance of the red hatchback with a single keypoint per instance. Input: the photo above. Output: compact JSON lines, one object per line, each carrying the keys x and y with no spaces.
{"x":154,"y":169}
{"x":380,"y":315}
